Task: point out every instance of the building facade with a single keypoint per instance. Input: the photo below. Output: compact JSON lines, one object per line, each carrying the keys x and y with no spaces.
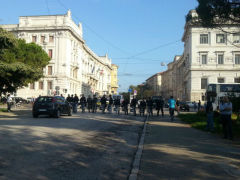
{"x":210,"y":56}
{"x":155,"y":82}
{"x":114,"y":79}
{"x":74,"y":68}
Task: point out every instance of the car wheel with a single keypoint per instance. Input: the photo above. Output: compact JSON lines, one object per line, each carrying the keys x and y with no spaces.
{"x":70,"y":112}
{"x":35,"y":115}
{"x":57,"y":115}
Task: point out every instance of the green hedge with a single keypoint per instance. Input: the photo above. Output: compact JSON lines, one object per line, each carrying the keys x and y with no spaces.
{"x":199,"y":121}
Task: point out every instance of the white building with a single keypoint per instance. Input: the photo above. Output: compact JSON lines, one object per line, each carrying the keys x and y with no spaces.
{"x":210,"y":56}
{"x":155,"y":82}
{"x":74,"y":68}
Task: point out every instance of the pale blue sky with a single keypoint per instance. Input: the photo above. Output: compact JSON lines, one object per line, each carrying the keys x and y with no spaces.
{"x":137,"y":34}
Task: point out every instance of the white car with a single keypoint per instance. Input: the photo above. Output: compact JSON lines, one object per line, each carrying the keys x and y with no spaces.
{"x":190,"y":104}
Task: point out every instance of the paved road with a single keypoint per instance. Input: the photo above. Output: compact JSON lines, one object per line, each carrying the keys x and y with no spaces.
{"x":84,"y":146}
{"x":173,"y":150}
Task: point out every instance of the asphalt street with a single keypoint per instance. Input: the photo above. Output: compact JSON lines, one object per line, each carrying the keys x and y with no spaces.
{"x":84,"y":146}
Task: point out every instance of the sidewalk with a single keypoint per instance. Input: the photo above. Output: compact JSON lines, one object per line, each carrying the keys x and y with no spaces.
{"x":174,"y":150}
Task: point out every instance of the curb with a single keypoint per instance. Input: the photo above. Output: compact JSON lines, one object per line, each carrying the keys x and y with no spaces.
{"x":138,"y":155}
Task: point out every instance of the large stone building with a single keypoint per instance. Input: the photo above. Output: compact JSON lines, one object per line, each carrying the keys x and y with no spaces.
{"x":210,"y":56}
{"x":155,"y":82}
{"x":114,"y":79}
{"x":74,"y":68}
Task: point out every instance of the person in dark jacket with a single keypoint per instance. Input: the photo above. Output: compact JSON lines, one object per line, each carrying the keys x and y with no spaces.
{"x":94,"y":104}
{"x":103,"y":103}
{"x":110,"y":104}
{"x":83,"y":102}
{"x":150,"y":106}
{"x":159,"y":106}
{"x":133,"y":105}
{"x":75,"y":103}
{"x":125,"y":106}
{"x":117,"y":104}
{"x":69,"y":98}
{"x":142,"y":107}
{"x":89,"y":103}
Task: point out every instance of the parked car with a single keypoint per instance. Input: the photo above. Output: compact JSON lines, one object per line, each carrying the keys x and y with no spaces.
{"x":184,"y":106}
{"x":20,"y":100}
{"x":190,"y":104}
{"x":53,"y":106}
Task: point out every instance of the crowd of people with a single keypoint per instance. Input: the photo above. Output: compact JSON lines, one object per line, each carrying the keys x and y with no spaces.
{"x":107,"y":103}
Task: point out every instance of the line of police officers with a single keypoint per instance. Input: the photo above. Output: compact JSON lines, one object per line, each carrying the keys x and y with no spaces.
{"x":115,"y":104}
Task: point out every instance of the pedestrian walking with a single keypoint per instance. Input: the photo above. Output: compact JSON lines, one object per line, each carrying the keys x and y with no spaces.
{"x":94,"y":104}
{"x":226,"y":113}
{"x":142,"y":107}
{"x":150,"y":106}
{"x":199,"y":105}
{"x":83,"y":103}
{"x":159,"y":106}
{"x":68,"y":98}
{"x":75,"y":103}
{"x":172,"y":104}
{"x":133,"y":105}
{"x":89,"y":103}
{"x":125,"y":106}
{"x":209,"y":112}
{"x":117,"y":104}
{"x":103,"y":103}
{"x":110,"y":104}
{"x":9,"y":102}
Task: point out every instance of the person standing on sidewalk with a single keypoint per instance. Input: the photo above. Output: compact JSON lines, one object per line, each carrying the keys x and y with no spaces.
{"x":142,"y":107}
{"x":117,"y":104}
{"x":89,"y":103}
{"x":150,"y":106}
{"x":83,"y":103}
{"x":9,"y":102}
{"x":75,"y":103}
{"x":94,"y":104}
{"x":103,"y":103}
{"x":199,"y":105}
{"x":226,"y":113}
{"x":110,"y":103}
{"x":133,"y":105}
{"x":209,"y":112}
{"x":172,"y":104}
{"x":125,"y":106}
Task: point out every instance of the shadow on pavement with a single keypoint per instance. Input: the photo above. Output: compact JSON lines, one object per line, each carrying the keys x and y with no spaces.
{"x":173,"y":150}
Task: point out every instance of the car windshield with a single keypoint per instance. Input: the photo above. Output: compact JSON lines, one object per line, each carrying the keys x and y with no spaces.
{"x":44,"y":99}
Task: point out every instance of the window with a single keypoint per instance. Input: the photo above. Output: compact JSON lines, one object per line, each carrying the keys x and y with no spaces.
{"x":236,"y":38}
{"x":237,"y":80}
{"x":34,"y":38}
{"x":204,"y":83}
{"x":32,"y":86}
{"x":50,"y":51}
{"x":42,"y":39}
{"x":220,"y":38}
{"x":40,"y":85}
{"x":204,"y":59}
{"x":203,"y":38}
{"x":237,"y":58}
{"x":49,"y":85}
{"x":51,"y":39}
{"x":220,"y":58}
{"x":49,"y":70}
{"x":220,"y":80}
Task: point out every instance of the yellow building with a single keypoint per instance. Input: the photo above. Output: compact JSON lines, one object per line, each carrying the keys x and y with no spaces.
{"x":114,"y":79}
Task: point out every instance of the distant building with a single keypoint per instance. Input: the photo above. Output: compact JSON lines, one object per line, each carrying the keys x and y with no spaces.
{"x":114,"y":79}
{"x":155,"y":83}
{"x":74,"y":68}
